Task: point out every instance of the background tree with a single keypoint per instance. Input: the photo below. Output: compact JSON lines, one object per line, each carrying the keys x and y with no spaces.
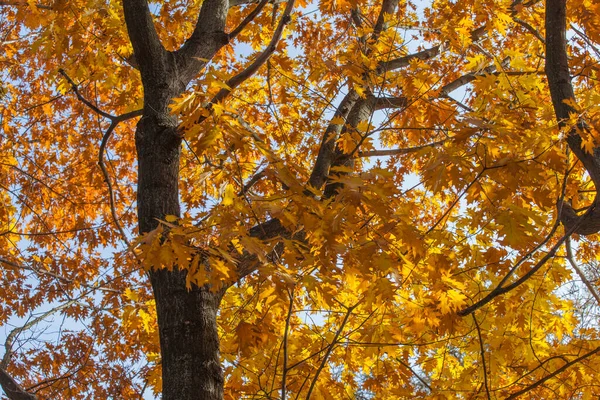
{"x":334,"y":199}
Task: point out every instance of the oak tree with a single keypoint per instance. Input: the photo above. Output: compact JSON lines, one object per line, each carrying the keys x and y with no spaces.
{"x":299,"y":199}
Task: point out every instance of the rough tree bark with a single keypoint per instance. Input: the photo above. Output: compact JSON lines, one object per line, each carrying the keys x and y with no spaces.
{"x":563,"y":96}
{"x":187,"y":318}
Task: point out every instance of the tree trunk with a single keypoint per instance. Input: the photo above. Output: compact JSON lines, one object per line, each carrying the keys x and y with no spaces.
{"x":191,"y":366}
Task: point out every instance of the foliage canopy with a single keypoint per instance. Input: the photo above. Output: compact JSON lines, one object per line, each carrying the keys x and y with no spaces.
{"x":379,"y":197}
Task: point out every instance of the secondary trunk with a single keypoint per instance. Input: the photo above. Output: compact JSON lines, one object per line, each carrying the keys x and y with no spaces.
{"x":191,"y":367}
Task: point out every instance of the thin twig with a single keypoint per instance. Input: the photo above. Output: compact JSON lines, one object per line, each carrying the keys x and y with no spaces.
{"x":12,"y":336}
{"x":56,"y":276}
{"x":482,"y":350}
{"x":584,"y":279}
{"x":285,"y":343}
{"x":313,"y":383}
{"x":422,"y":380}
{"x":111,"y":199}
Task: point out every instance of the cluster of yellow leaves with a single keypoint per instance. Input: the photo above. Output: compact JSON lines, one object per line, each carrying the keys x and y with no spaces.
{"x":362,"y":297}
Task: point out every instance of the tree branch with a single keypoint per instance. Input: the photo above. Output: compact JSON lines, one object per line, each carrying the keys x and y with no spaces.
{"x":248,"y":19}
{"x":55,"y":276}
{"x":88,"y":103}
{"x":500,"y":289}
{"x":114,"y":121}
{"x":387,"y":7}
{"x":563,"y":100}
{"x":12,"y":389}
{"x":482,"y":351}
{"x":426,"y":54}
{"x":579,"y":272}
{"x":208,"y":37}
{"x":147,"y":47}
{"x":328,"y":352}
{"x":394,"y":152}
{"x":111,"y":196}
{"x":553,"y":374}
{"x":382,"y":103}
{"x":258,"y":62}
{"x":285,"y":343}
{"x":262,"y":57}
{"x":12,"y":336}
{"x":470,"y":77}
{"x":327,"y":147}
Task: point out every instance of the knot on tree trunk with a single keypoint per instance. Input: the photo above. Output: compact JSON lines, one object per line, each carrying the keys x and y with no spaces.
{"x":584,"y":224}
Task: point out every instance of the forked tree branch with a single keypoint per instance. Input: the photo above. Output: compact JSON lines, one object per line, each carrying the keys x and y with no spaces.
{"x":114,"y":121}
{"x":258,"y":62}
{"x":262,"y":57}
{"x":147,"y":47}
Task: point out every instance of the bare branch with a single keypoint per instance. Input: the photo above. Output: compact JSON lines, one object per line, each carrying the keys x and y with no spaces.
{"x":470,"y":77}
{"x":426,"y":54}
{"x":395,"y":152}
{"x":530,"y":28}
{"x":586,"y":39}
{"x":328,"y":352}
{"x":482,"y":351}
{"x":252,"y":181}
{"x":88,"y":103}
{"x":115,"y":120}
{"x":237,"y":3}
{"x":421,"y":379}
{"x":111,"y":199}
{"x":391,"y":102}
{"x":579,"y":272}
{"x":285,"y":343}
{"x":55,"y":276}
{"x":12,"y":336}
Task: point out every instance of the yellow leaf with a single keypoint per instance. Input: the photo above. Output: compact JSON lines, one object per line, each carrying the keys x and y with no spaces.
{"x":228,"y":195}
